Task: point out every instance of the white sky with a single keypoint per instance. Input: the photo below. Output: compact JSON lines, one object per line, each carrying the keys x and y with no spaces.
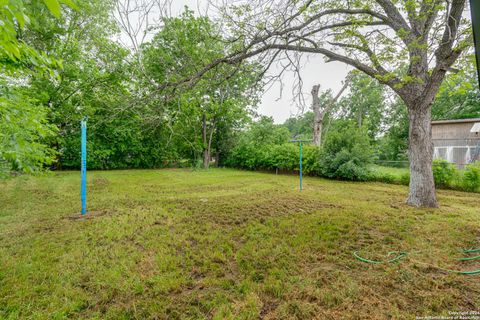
{"x":316,"y":71}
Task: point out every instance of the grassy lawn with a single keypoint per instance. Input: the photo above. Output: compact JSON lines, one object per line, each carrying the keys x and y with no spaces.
{"x":396,"y":172}
{"x":225,"y":244}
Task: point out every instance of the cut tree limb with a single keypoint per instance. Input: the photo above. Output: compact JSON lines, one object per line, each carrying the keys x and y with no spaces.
{"x":320,"y":112}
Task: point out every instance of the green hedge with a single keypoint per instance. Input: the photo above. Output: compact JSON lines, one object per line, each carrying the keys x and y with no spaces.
{"x":346,"y":154}
{"x":270,"y":157}
{"x":471,"y":177}
{"x":445,"y":174}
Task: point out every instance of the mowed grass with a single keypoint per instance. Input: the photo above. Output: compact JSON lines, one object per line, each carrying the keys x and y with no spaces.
{"x":397,"y":173}
{"x":225,"y":244}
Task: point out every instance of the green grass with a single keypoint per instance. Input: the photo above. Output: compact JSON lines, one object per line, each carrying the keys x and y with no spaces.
{"x":396,"y":172}
{"x":225,"y":244}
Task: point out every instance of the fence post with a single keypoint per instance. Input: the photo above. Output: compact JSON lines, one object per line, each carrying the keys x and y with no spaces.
{"x":84,"y":166}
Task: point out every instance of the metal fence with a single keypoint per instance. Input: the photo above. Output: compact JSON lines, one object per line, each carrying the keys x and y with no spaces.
{"x":457,"y":151}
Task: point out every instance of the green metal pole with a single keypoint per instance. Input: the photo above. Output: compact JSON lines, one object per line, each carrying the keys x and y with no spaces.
{"x":475,"y":8}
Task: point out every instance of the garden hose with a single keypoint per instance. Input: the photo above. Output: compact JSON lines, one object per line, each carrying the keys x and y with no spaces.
{"x":449,"y":270}
{"x":469,"y":258}
{"x":398,"y":257}
{"x":464,"y":272}
{"x":471,"y":251}
{"x":401,"y":254}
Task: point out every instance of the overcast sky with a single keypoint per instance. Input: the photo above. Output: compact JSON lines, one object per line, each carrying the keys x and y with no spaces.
{"x":281,"y":106}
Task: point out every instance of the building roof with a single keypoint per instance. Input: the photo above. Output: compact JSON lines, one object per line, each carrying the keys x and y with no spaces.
{"x":457,"y":121}
{"x":475,"y":128}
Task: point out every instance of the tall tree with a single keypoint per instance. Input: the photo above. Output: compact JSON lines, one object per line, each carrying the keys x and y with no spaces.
{"x":300,"y":126}
{"x":377,"y":37}
{"x":91,"y":82}
{"x":23,"y":120}
{"x":222,"y":97}
{"x":459,"y":94}
{"x":365,"y":103}
{"x":393,"y":145}
{"x":320,"y":109}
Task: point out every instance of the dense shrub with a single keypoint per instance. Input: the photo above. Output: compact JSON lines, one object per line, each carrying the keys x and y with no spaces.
{"x":471,"y":177}
{"x":244,"y":156}
{"x":270,"y":157}
{"x":311,"y":160}
{"x":285,"y":157}
{"x":346,"y":154}
{"x":405,"y":179}
{"x":260,"y":147}
{"x":382,"y":177}
{"x":443,"y":173}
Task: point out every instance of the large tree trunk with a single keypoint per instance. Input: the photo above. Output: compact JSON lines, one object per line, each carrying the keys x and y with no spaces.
{"x":206,"y":151}
{"x":420,"y":150}
{"x":217,"y":159}
{"x":317,"y":131}
{"x":320,"y":111}
{"x":207,"y":141}
{"x":206,"y":159}
{"x":318,"y":116}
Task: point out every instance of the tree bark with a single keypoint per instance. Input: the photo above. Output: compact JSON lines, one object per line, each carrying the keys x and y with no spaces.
{"x":318,"y":120}
{"x":206,"y":159}
{"x":360,"y":118}
{"x":420,"y":152}
{"x":217,"y":159}
{"x":206,"y":153}
{"x":207,"y":141}
{"x":209,"y":147}
{"x":319,"y":112}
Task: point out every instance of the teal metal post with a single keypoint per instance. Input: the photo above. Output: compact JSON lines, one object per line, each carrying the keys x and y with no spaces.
{"x":84,"y":166}
{"x":301,"y":159}
{"x":301,"y":171}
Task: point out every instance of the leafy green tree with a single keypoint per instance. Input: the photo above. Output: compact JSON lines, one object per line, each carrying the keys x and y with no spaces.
{"x":219,"y":102}
{"x":23,"y":132}
{"x":17,"y":17}
{"x":459,"y":95}
{"x":255,"y":144}
{"x":23,"y":122}
{"x":364,"y":103}
{"x":393,"y":145}
{"x":94,"y":82}
{"x":301,"y":126}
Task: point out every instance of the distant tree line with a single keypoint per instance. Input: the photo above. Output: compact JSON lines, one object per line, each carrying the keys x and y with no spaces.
{"x":61,"y":63}
{"x":383,"y":116}
{"x":66,"y":66}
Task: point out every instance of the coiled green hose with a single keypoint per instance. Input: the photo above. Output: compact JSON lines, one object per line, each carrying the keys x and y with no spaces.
{"x":401,"y":254}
